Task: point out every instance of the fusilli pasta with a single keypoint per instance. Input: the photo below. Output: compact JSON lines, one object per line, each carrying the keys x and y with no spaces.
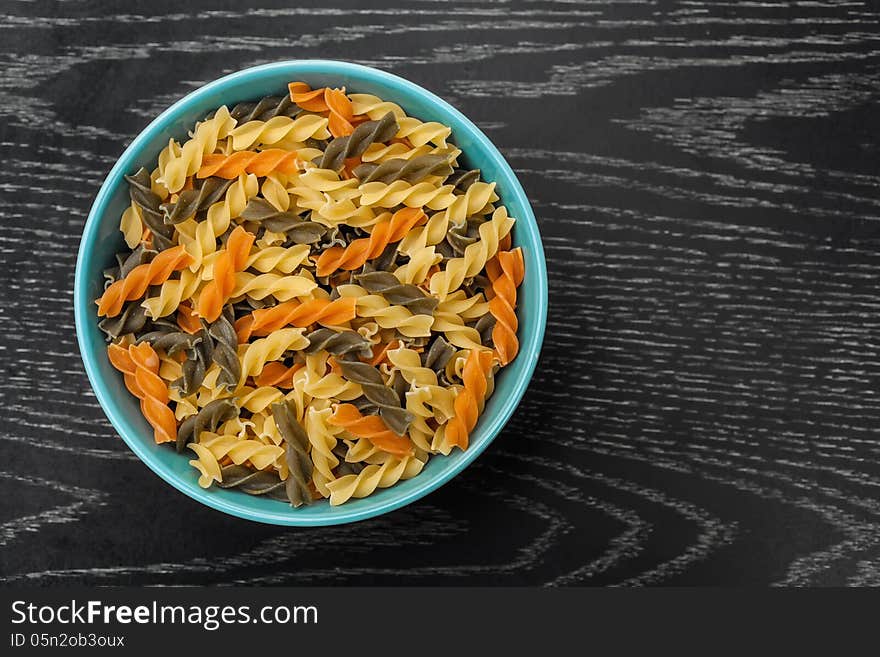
{"x":315,"y":297}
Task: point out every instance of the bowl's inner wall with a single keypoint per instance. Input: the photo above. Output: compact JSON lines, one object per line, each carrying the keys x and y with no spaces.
{"x":107,"y":241}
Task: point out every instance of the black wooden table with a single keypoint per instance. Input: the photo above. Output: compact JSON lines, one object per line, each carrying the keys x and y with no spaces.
{"x":705,"y":176}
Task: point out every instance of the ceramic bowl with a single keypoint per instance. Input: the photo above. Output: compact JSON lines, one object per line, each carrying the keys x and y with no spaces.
{"x":101,"y":239}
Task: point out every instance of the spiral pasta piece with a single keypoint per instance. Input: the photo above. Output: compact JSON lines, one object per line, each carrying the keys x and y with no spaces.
{"x":257,"y":400}
{"x":207,"y":465}
{"x":419,"y":133}
{"x":264,"y":109}
{"x":217,"y":447}
{"x":282,"y":287}
{"x":192,"y":201}
{"x":380,"y":352}
{"x":506,"y":271}
{"x":470,"y":398}
{"x":238,"y":427}
{"x":120,"y":358}
{"x":275,"y":198}
{"x":240,"y":451}
{"x":252,"y":482}
{"x":422,"y":262}
{"x":337,"y":343}
{"x":278,"y":258}
{"x":399,"y":192}
{"x":254,"y":356}
{"x":459,"y":334}
{"x":209,"y":417}
{"x":131,"y":225}
{"x":296,"y":453}
{"x":420,"y":432}
{"x":320,"y":180}
{"x":276,"y":129}
{"x":224,"y":350}
{"x":431,"y":403}
{"x":323,"y":440}
{"x":359,"y":251}
{"x":294,"y":313}
{"x":425,"y":400}
{"x":373,"y":477}
{"x":147,"y":204}
{"x":387,"y":315}
{"x":334,"y":212}
{"x":131,"y":320}
{"x":320,"y":384}
{"x":259,"y":163}
{"x":135,"y":284}
{"x":200,"y":238}
{"x":374,"y":107}
{"x":450,"y":316}
{"x":412,"y":170}
{"x":311,"y":100}
{"x":330,"y":199}
{"x":168,"y":338}
{"x":473,"y":201}
{"x":284,"y":224}
{"x":379,"y":394}
{"x":475,"y":256}
{"x":188,"y":160}
{"x":154,"y":392}
{"x":371,"y":427}
{"x":404,"y":150}
{"x":193,"y":370}
{"x":409,"y":296}
{"x":341,"y":112}
{"x":231,"y":260}
{"x":358,"y":452}
{"x":277,"y":375}
{"x":172,"y":293}
{"x":409,"y":364}
{"x":187,"y":320}
{"x":298,"y":397}
{"x":353,"y":145}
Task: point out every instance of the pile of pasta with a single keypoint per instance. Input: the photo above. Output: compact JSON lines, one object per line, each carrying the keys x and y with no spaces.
{"x":315,"y":298}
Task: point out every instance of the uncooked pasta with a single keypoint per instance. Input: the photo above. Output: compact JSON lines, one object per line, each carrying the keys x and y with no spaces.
{"x":315,"y":297}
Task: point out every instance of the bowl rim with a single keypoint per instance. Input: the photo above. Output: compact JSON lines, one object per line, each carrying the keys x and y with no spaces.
{"x":530,"y":345}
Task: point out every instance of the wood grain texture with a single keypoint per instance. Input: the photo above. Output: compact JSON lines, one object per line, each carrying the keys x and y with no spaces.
{"x":705,"y":176}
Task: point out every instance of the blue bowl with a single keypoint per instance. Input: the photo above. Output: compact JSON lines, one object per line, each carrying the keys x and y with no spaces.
{"x":101,"y":239}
